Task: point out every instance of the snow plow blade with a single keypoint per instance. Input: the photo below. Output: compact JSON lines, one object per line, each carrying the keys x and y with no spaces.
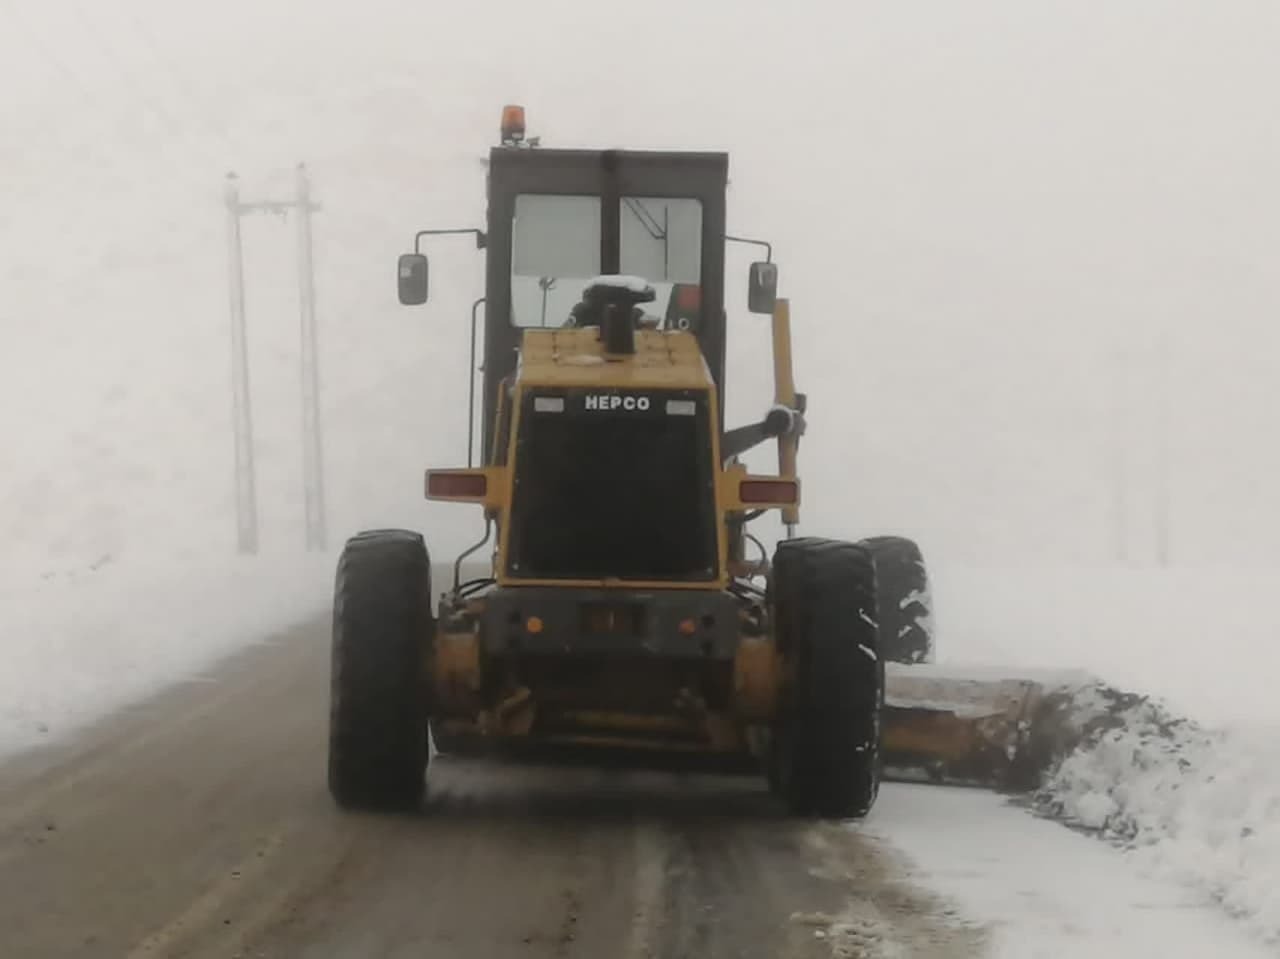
{"x":977,"y":728}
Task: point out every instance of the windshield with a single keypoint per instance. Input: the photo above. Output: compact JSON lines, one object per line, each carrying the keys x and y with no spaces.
{"x":556,"y":243}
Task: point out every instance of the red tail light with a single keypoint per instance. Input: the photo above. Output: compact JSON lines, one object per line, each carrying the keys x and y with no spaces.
{"x":444,"y":485}
{"x":688,"y":298}
{"x":778,"y":492}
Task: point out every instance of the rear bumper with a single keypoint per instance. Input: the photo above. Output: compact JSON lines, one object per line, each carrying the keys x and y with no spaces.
{"x":662,"y":624}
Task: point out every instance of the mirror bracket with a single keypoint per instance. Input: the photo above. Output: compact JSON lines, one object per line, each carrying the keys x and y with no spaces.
{"x":768,"y":247}
{"x":482,"y":238}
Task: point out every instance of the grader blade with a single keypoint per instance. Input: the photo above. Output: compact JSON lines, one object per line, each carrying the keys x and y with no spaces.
{"x":976,"y":728}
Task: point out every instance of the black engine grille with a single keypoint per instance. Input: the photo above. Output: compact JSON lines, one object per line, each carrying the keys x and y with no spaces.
{"x":613,"y":483}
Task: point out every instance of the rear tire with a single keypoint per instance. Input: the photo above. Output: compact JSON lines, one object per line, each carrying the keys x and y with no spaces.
{"x":826,"y":746}
{"x":382,"y":633}
{"x":904,"y":600}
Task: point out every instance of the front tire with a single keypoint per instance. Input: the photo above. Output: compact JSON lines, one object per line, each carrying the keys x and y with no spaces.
{"x":827,"y":741}
{"x":382,"y":631}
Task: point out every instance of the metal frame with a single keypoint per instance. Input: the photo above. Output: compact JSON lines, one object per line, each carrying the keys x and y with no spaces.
{"x":609,"y":174}
{"x":481,"y":239}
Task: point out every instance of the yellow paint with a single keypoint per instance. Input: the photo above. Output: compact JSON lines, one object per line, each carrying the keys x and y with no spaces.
{"x":938,"y":735}
{"x":575,"y":357}
{"x":784,"y":393}
{"x":756,"y":676}
{"x":568,"y":358}
{"x":457,"y":673}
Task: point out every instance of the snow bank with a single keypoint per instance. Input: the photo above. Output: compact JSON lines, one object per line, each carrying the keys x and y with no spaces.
{"x":82,"y":642}
{"x":1039,"y":891}
{"x":1175,"y":754}
{"x":1189,"y":803}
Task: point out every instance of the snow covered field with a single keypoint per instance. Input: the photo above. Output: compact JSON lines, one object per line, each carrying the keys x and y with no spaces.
{"x":1028,"y":201}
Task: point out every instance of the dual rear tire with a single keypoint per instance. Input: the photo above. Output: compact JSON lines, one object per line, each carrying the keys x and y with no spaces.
{"x":842,"y":610}
{"x":904,"y":600}
{"x":824,"y":758}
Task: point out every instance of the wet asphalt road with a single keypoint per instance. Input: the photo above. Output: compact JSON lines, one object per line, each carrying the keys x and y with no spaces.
{"x":197,"y":824}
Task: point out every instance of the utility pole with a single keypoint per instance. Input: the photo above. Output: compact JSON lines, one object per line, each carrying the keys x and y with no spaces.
{"x":312,"y":452}
{"x":242,"y":415}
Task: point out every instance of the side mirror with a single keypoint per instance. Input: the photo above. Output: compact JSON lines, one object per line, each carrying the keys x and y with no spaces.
{"x":412,"y":279}
{"x":762,"y":287}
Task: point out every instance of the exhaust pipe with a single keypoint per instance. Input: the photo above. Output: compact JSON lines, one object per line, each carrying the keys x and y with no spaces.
{"x":617,"y":330}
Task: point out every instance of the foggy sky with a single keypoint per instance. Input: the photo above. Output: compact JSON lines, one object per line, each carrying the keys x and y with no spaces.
{"x":991,"y":219}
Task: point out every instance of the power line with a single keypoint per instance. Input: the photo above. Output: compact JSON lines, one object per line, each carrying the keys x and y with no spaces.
{"x":183,"y":83}
{"x":161,"y":112}
{"x":100,"y":104}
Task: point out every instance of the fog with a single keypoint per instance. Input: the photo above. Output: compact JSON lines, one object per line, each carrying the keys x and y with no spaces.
{"x":1029,"y":249}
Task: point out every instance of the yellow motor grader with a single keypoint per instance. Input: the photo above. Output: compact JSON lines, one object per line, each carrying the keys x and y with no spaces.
{"x":619,"y":607}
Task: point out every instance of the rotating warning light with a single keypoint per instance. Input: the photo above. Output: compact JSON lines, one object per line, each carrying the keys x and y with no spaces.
{"x":512,"y":123}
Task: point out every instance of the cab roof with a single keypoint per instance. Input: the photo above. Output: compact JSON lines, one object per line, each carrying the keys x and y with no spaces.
{"x":609,"y":174}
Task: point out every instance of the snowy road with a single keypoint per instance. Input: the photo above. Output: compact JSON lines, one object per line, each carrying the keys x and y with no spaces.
{"x":197,"y":824}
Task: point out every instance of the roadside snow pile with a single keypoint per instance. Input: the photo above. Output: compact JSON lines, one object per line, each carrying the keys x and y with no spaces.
{"x":1198,"y":805}
{"x":1198,"y":800}
{"x":80,"y":643}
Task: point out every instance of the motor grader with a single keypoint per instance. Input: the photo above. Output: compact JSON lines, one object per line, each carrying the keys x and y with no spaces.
{"x":620,"y":605}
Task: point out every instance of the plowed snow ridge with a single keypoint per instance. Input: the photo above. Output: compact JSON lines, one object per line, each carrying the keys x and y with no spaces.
{"x":1196,"y":805}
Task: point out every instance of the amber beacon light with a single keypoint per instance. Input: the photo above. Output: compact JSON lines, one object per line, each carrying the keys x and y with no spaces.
{"x":512,"y":123}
